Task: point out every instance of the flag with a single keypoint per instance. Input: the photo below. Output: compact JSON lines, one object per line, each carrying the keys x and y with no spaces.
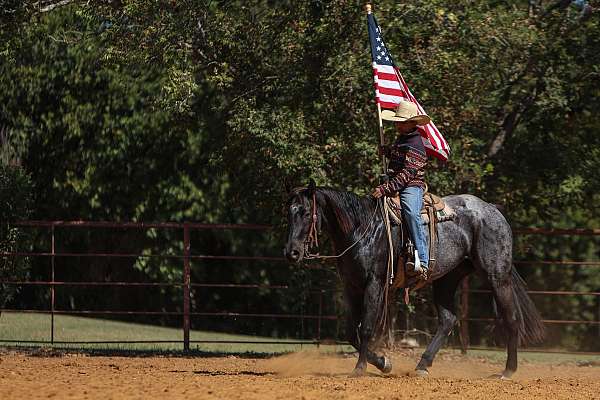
{"x":390,"y":89}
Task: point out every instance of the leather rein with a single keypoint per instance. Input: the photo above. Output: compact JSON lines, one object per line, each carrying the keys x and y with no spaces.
{"x":312,"y":239}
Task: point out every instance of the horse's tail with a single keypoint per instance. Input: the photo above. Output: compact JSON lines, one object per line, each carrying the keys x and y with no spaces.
{"x":531,"y":327}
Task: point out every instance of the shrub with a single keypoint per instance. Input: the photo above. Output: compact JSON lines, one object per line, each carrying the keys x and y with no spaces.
{"x":15,"y":204}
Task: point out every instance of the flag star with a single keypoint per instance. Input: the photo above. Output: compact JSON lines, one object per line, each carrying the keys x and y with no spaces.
{"x":383,"y":53}
{"x":378,"y":48}
{"x":378,"y":39}
{"x":379,"y":57}
{"x":387,"y":59}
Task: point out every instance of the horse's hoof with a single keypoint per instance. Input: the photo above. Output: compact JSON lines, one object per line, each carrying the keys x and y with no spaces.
{"x":387,"y":365}
{"x":507,"y":374}
{"x":422,"y":373}
{"x":504,"y":376}
{"x":357,"y":373}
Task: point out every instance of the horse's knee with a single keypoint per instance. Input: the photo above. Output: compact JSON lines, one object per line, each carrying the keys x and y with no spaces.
{"x":366,"y":332}
{"x":500,"y":278}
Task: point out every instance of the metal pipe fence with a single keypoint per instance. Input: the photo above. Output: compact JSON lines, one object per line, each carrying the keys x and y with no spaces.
{"x":186,"y":284}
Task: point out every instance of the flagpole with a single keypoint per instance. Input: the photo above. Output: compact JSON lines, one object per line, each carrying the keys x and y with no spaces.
{"x":381,"y":140}
{"x":381,"y":137}
{"x":386,"y":217}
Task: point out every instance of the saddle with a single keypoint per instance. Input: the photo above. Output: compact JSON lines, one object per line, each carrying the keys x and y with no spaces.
{"x":431,"y":203}
{"x":434,"y":211}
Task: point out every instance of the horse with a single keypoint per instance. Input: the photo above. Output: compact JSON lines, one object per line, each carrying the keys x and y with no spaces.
{"x":478,"y":239}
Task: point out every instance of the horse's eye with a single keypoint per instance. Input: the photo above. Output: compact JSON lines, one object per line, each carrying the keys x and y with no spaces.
{"x":297,"y":209}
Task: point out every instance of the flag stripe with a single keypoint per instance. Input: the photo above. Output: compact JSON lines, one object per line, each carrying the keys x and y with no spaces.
{"x":387,"y":77}
{"x":386,"y":69}
{"x":389,"y":99}
{"x":387,"y":105}
{"x":388,"y":84}
{"x":392,"y":92}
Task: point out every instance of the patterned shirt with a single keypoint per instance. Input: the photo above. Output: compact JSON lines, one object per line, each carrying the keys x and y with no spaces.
{"x":407,"y":164}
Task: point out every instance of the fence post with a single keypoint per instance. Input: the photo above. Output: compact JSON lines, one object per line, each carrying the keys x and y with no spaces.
{"x":52,"y":286}
{"x":598,"y":316}
{"x":186,"y":287}
{"x":319,"y":320}
{"x":464,"y":314}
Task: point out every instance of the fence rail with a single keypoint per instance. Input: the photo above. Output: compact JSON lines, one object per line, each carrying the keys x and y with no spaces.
{"x":186,"y":285}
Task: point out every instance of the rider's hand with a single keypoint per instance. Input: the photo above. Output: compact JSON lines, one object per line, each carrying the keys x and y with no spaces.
{"x":377,"y":193}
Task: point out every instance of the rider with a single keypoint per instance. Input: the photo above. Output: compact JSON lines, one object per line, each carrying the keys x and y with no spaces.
{"x":407,"y":160}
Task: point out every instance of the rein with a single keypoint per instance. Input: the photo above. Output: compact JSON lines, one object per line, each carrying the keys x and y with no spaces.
{"x":312,"y":239}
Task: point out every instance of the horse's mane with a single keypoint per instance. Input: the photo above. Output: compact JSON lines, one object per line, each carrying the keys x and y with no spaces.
{"x":350,"y":209}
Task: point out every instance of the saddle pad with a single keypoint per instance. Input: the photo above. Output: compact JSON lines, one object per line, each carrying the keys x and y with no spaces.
{"x":445,"y":214}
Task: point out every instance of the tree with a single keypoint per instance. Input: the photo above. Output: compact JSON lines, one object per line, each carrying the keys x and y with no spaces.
{"x":15,"y":203}
{"x":198,"y":110}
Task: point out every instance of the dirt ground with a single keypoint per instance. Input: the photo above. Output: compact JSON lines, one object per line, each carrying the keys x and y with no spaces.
{"x":306,"y":375}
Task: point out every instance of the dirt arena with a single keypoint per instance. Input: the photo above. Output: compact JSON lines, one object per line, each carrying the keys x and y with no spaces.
{"x":306,"y":375}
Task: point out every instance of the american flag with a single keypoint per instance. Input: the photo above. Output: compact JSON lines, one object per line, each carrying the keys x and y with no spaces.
{"x":390,"y":89}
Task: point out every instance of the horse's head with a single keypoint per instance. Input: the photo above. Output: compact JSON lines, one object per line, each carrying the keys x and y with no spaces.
{"x":301,"y":206}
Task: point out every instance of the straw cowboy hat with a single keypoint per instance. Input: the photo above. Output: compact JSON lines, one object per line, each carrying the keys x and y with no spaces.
{"x":405,"y":112}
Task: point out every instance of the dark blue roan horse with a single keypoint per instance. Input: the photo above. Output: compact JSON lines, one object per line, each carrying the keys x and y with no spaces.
{"x":478,"y":239}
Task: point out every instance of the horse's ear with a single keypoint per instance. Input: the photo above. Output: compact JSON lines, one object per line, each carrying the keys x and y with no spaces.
{"x":288,"y":187}
{"x":312,"y":186}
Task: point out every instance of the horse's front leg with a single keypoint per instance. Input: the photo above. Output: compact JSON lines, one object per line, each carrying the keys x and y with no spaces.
{"x":371,"y":304}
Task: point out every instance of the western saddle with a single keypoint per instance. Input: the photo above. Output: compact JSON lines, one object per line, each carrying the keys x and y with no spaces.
{"x":434,"y":210}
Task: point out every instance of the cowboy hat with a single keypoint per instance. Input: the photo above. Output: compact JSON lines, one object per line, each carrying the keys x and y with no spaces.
{"x":405,"y":111}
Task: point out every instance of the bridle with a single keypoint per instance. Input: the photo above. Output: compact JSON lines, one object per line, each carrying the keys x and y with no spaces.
{"x":312,"y":239}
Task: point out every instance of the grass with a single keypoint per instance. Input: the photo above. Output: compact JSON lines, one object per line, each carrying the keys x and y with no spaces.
{"x":29,"y":326}
{"x":36,"y":327}
{"x":538,"y":357}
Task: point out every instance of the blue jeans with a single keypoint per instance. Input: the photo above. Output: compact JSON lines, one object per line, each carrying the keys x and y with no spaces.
{"x":412,"y":202}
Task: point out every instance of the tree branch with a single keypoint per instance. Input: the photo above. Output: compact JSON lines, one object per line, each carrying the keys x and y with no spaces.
{"x":53,"y":5}
{"x":512,"y":120}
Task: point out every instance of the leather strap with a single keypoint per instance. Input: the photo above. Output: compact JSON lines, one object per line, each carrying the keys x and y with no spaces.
{"x":432,"y":236}
{"x":313,"y":235}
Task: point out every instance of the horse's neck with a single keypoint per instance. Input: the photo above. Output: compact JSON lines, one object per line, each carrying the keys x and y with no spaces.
{"x":343,"y":213}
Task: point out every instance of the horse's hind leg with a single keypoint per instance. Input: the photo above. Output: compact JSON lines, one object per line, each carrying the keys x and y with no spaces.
{"x":443,"y":297}
{"x":507,"y":310}
{"x":493,"y":254}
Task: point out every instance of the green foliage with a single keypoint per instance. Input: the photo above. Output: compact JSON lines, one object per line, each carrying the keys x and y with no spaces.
{"x":206,"y":111}
{"x":15,"y":204}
